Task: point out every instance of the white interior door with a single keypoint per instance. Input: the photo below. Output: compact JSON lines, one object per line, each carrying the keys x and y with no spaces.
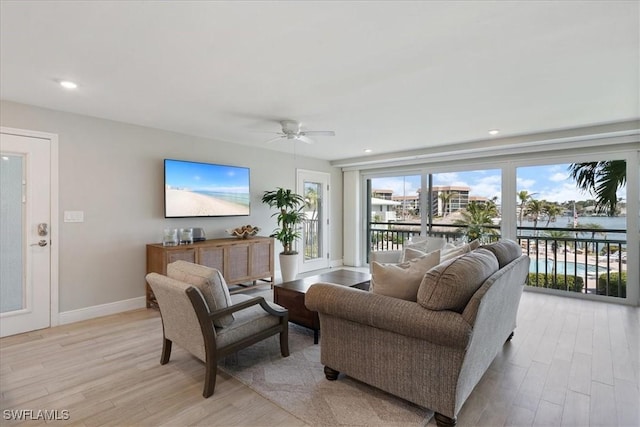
{"x":314,"y":187}
{"x":25,"y":227}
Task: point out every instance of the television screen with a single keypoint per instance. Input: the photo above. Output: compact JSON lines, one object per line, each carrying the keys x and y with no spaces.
{"x":194,"y":189}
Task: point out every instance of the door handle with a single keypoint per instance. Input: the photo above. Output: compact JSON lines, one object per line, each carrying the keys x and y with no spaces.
{"x":41,"y":243}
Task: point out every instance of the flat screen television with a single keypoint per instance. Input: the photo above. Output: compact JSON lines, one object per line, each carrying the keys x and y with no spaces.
{"x":193,"y":189}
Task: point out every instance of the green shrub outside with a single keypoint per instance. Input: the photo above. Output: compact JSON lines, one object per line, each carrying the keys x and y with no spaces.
{"x":398,"y":239}
{"x":541,"y":280}
{"x":617,"y":284}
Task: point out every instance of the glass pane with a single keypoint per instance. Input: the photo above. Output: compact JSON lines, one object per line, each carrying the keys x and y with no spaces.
{"x":572,"y":222}
{"x":313,"y":221}
{"x":11,"y":226}
{"x":394,"y":215}
{"x":466,"y":205}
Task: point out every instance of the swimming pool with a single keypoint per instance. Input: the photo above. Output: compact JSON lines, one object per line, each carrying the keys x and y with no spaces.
{"x":571,"y":268}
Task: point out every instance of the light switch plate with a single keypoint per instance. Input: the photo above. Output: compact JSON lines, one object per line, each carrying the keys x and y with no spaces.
{"x":73,"y":216}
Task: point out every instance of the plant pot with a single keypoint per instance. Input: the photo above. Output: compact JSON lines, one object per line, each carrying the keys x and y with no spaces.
{"x":288,"y":267}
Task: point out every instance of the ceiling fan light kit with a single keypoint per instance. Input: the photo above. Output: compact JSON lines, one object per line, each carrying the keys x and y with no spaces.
{"x":291,"y":129}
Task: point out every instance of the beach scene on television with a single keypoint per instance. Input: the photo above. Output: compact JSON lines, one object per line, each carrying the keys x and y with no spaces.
{"x":203,"y":189}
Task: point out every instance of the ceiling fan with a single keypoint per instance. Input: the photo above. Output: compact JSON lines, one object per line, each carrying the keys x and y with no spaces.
{"x":291,"y":130}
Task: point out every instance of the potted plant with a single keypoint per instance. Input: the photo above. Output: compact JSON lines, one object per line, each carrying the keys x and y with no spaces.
{"x":289,"y":216}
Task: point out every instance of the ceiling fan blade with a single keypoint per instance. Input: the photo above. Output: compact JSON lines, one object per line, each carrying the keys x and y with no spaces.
{"x":277,"y":138}
{"x":318,"y":133}
{"x":304,"y":139}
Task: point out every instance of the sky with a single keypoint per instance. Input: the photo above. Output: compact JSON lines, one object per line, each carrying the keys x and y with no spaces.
{"x":206,"y":177}
{"x":549,"y":182}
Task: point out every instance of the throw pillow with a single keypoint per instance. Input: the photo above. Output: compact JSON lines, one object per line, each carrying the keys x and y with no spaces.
{"x":448,"y":247}
{"x":453,"y":252}
{"x":402,"y":280}
{"x":209,"y":281}
{"x":408,"y":254}
{"x":451,"y":284}
{"x":426,"y":244}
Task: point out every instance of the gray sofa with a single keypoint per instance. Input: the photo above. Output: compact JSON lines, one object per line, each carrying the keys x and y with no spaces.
{"x":434,"y":351}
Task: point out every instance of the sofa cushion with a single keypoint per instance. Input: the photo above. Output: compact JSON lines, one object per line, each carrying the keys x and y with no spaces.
{"x":402,"y":280}
{"x":209,"y":281}
{"x":505,"y":250}
{"x":451,"y":284}
{"x":248,"y":322}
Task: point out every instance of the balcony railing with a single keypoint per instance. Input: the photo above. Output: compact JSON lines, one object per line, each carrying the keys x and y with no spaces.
{"x":581,"y":260}
{"x":311,"y":241}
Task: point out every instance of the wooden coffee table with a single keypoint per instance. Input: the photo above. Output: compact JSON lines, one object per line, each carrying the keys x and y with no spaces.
{"x":291,"y":295}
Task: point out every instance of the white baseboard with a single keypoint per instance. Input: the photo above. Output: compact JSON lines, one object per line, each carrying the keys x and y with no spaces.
{"x":92,"y":312}
{"x":335,"y":263}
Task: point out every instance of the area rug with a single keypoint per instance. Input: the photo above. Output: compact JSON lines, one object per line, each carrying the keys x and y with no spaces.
{"x":298,"y":385}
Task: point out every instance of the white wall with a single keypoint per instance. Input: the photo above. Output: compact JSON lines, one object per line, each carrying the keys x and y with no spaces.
{"x":114,"y":173}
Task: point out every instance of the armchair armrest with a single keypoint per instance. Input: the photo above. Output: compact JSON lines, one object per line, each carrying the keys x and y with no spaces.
{"x":407,"y":318}
{"x":246,"y":304}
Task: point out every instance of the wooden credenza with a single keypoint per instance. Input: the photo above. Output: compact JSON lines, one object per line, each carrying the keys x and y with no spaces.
{"x":241,"y":261}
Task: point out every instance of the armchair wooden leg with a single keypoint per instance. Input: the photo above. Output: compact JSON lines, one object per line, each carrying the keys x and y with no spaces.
{"x":330,"y":373}
{"x":210,"y":376}
{"x":284,"y":341}
{"x":444,"y":421}
{"x":166,"y":351}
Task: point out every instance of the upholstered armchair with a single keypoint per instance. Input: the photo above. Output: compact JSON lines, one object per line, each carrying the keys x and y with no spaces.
{"x":200,"y":315}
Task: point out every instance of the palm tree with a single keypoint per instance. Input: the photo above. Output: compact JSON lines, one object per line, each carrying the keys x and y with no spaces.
{"x":289,"y":214}
{"x":593,"y":230}
{"x":311,"y":201}
{"x":534,"y":209}
{"x":602,"y":179}
{"x":523,"y":196}
{"x":444,"y":198}
{"x":476,"y":217}
{"x":555,"y":235}
{"x":552,"y":210}
{"x":446,"y":201}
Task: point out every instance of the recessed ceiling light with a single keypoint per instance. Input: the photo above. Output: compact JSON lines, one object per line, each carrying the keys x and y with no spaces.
{"x":368,"y":150}
{"x":68,"y":84}
{"x":494,"y":131}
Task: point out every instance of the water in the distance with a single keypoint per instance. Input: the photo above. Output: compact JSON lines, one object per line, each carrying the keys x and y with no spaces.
{"x":606,"y":222}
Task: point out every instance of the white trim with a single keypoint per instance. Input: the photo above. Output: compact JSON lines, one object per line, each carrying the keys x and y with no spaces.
{"x":487,"y":149}
{"x":92,"y":312}
{"x":55,"y":232}
{"x":324,"y":179}
{"x":54,"y":246}
{"x":336,"y":263}
{"x":353,"y":228}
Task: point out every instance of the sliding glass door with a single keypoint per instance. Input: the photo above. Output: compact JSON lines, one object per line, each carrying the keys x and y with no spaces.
{"x":571,"y":214}
{"x":462,"y":205}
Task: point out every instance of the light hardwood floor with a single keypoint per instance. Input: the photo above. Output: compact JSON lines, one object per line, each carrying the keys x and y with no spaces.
{"x":571,"y":362}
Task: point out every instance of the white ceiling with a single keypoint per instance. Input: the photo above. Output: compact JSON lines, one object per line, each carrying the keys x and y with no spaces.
{"x":387,"y":76}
